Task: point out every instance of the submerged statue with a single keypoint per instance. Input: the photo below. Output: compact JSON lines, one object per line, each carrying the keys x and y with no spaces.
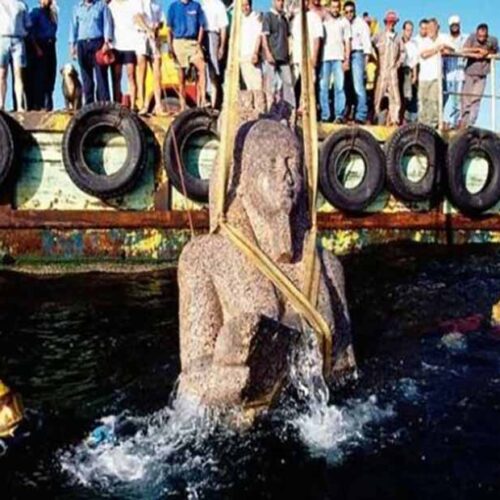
{"x":237,"y":330}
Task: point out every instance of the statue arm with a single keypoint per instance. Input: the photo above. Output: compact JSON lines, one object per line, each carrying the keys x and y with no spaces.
{"x":200,"y":314}
{"x":343,"y":354}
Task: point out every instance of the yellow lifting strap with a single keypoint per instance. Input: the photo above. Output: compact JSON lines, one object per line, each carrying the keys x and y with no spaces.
{"x":304,"y":301}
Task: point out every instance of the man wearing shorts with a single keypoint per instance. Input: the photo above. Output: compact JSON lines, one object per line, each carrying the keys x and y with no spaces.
{"x":149,"y":22}
{"x":186,"y":21}
{"x":125,"y":41}
{"x":14,"y":26}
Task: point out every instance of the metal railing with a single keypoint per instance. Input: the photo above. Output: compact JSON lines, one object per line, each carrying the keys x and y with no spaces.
{"x":493,"y":96}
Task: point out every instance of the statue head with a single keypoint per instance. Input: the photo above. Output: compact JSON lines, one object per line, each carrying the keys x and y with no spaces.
{"x":271,"y":169}
{"x":271,"y":185}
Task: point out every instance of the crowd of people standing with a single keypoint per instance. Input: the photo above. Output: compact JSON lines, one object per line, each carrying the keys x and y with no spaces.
{"x":362,"y":73}
{"x":371,"y":75}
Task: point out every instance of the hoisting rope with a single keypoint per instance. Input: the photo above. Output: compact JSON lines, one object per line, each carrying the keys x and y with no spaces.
{"x":303,"y":301}
{"x":183,"y":181}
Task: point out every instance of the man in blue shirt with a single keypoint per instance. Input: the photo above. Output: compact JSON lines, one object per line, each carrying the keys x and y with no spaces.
{"x":43,"y":35}
{"x":186,"y":21}
{"x":91,"y":30}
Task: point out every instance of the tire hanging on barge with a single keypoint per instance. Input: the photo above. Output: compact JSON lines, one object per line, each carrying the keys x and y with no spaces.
{"x":7,"y":148}
{"x":352,"y":169}
{"x":104,"y":117}
{"x":415,"y":155}
{"x":473,"y":171}
{"x":197,"y":126}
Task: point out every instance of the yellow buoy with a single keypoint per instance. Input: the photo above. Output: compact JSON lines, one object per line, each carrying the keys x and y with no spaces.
{"x":495,"y":314}
{"x":11,"y":411}
{"x":4,"y":389}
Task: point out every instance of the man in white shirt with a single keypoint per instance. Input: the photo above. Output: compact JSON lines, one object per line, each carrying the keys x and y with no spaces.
{"x":361,"y":49}
{"x":408,"y":74}
{"x":215,"y":41}
{"x":250,"y":43}
{"x":14,"y":27}
{"x":149,"y":22}
{"x":422,"y":30}
{"x":336,"y":61}
{"x":430,"y":51}
{"x":315,"y":31}
{"x":454,"y":76}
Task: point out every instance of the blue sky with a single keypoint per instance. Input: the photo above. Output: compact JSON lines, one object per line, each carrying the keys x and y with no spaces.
{"x":472,"y":13}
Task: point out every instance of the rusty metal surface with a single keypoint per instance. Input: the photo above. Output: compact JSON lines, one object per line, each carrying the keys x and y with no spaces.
{"x":139,"y":246}
{"x":175,"y":219}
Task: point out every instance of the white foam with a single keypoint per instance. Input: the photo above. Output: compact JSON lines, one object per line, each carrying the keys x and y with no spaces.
{"x":322,"y":426}
{"x":180,"y":442}
{"x":140,"y":458}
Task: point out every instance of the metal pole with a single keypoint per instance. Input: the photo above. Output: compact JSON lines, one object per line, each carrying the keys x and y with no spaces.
{"x":441,"y":97}
{"x":494,"y":95}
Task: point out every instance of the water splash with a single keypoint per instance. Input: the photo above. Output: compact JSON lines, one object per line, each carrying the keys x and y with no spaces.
{"x":182,"y":447}
{"x":154,"y":453}
{"x":322,"y":426}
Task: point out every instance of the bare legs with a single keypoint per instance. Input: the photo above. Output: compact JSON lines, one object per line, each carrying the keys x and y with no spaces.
{"x":144,"y":99}
{"x":132,"y":85}
{"x":199,"y":64}
{"x":18,"y":87}
{"x":116,"y":76}
{"x":157,"y":85}
{"x":3,"y":86}
{"x":142,"y":66}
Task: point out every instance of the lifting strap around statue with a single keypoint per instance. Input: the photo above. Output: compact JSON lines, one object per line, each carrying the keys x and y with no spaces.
{"x":303,"y":301}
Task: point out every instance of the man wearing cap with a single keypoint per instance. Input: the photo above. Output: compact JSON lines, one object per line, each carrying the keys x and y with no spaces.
{"x":453,"y":74}
{"x":479,"y":48}
{"x":91,"y":29}
{"x":390,"y":51}
{"x":431,"y":49}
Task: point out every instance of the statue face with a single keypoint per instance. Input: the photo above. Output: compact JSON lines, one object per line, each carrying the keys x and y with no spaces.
{"x":272,"y":174}
{"x":278,"y":181}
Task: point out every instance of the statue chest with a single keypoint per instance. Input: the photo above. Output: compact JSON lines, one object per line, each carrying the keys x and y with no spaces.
{"x":241,"y":287}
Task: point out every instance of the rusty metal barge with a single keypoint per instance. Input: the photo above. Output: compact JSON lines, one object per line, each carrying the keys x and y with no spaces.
{"x":48,"y":216}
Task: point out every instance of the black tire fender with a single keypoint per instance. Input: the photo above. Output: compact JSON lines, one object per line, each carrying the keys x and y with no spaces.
{"x":332,"y":153}
{"x":185,"y":126}
{"x":87,"y":120}
{"x":7,"y":148}
{"x":483,"y":143}
{"x":421,"y":139}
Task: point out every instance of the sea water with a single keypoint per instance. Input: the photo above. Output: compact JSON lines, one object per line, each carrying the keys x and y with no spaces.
{"x":421,"y":421}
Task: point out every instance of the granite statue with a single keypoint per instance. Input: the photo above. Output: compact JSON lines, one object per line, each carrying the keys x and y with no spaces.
{"x":237,"y":331}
